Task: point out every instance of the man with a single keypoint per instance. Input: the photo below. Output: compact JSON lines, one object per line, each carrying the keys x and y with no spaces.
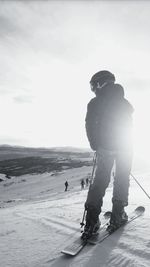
{"x":82,"y":183}
{"x":109,"y":131}
{"x":66,"y":185}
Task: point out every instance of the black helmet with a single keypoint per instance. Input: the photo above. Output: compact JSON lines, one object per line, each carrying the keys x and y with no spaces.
{"x":102,"y":77}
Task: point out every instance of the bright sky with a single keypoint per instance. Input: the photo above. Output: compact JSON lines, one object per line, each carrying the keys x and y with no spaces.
{"x":48,"y":52}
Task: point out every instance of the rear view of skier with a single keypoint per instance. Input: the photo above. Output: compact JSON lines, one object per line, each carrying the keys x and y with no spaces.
{"x":109,"y":131}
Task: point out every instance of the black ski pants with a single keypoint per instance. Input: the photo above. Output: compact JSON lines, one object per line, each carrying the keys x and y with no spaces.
{"x":104,"y":163}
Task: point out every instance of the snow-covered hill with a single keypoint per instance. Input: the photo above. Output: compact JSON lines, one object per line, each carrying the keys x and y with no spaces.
{"x":38,"y":219}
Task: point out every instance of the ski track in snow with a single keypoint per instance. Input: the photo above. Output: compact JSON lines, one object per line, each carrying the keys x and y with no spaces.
{"x":37,"y":226}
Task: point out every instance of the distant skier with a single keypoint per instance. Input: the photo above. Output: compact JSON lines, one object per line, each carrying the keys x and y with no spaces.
{"x":87,"y":181}
{"x":109,"y":131}
{"x":82,"y":183}
{"x":66,"y":185}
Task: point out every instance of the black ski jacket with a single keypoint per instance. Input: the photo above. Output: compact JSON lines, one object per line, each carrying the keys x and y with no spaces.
{"x":109,"y":120}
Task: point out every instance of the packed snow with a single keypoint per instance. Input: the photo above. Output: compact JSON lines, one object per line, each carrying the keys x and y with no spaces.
{"x":38,"y":219}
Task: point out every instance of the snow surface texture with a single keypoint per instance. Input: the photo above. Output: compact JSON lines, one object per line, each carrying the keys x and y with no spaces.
{"x":38,"y":219}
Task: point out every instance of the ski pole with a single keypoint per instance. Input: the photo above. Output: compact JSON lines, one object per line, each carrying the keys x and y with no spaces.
{"x":82,"y":223}
{"x":92,"y":177}
{"x":140,"y":185}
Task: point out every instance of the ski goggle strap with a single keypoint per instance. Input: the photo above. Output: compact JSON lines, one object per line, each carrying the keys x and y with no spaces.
{"x":96,"y":86}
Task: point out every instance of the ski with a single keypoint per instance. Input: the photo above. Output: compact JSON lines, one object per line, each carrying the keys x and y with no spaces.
{"x":78,"y":244}
{"x":104,"y":233}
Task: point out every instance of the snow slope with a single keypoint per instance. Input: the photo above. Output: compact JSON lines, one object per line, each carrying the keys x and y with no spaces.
{"x":38,"y":219}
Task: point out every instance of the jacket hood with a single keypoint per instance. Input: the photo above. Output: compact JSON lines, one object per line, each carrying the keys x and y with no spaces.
{"x":111,"y":90}
{"x":114,"y":93}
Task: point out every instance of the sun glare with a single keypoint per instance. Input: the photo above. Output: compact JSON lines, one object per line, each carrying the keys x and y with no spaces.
{"x":141,"y":129}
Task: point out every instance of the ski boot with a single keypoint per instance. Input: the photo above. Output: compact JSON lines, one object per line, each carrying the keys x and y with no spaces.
{"x":92,"y":223}
{"x":118,"y":217}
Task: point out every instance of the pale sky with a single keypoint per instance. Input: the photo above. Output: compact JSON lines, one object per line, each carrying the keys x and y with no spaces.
{"x":48,"y":52}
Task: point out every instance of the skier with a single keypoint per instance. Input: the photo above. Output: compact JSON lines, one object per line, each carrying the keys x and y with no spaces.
{"x":66,"y":185}
{"x":82,"y":183}
{"x":87,"y":181}
{"x":109,"y":131}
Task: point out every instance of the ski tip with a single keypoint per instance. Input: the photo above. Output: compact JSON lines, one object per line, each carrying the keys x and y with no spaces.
{"x":68,"y":253}
{"x":107,"y":214}
{"x":140,"y":209}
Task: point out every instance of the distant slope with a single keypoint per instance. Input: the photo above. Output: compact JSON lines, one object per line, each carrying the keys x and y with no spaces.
{"x":12,"y":152}
{"x":16,"y":161}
